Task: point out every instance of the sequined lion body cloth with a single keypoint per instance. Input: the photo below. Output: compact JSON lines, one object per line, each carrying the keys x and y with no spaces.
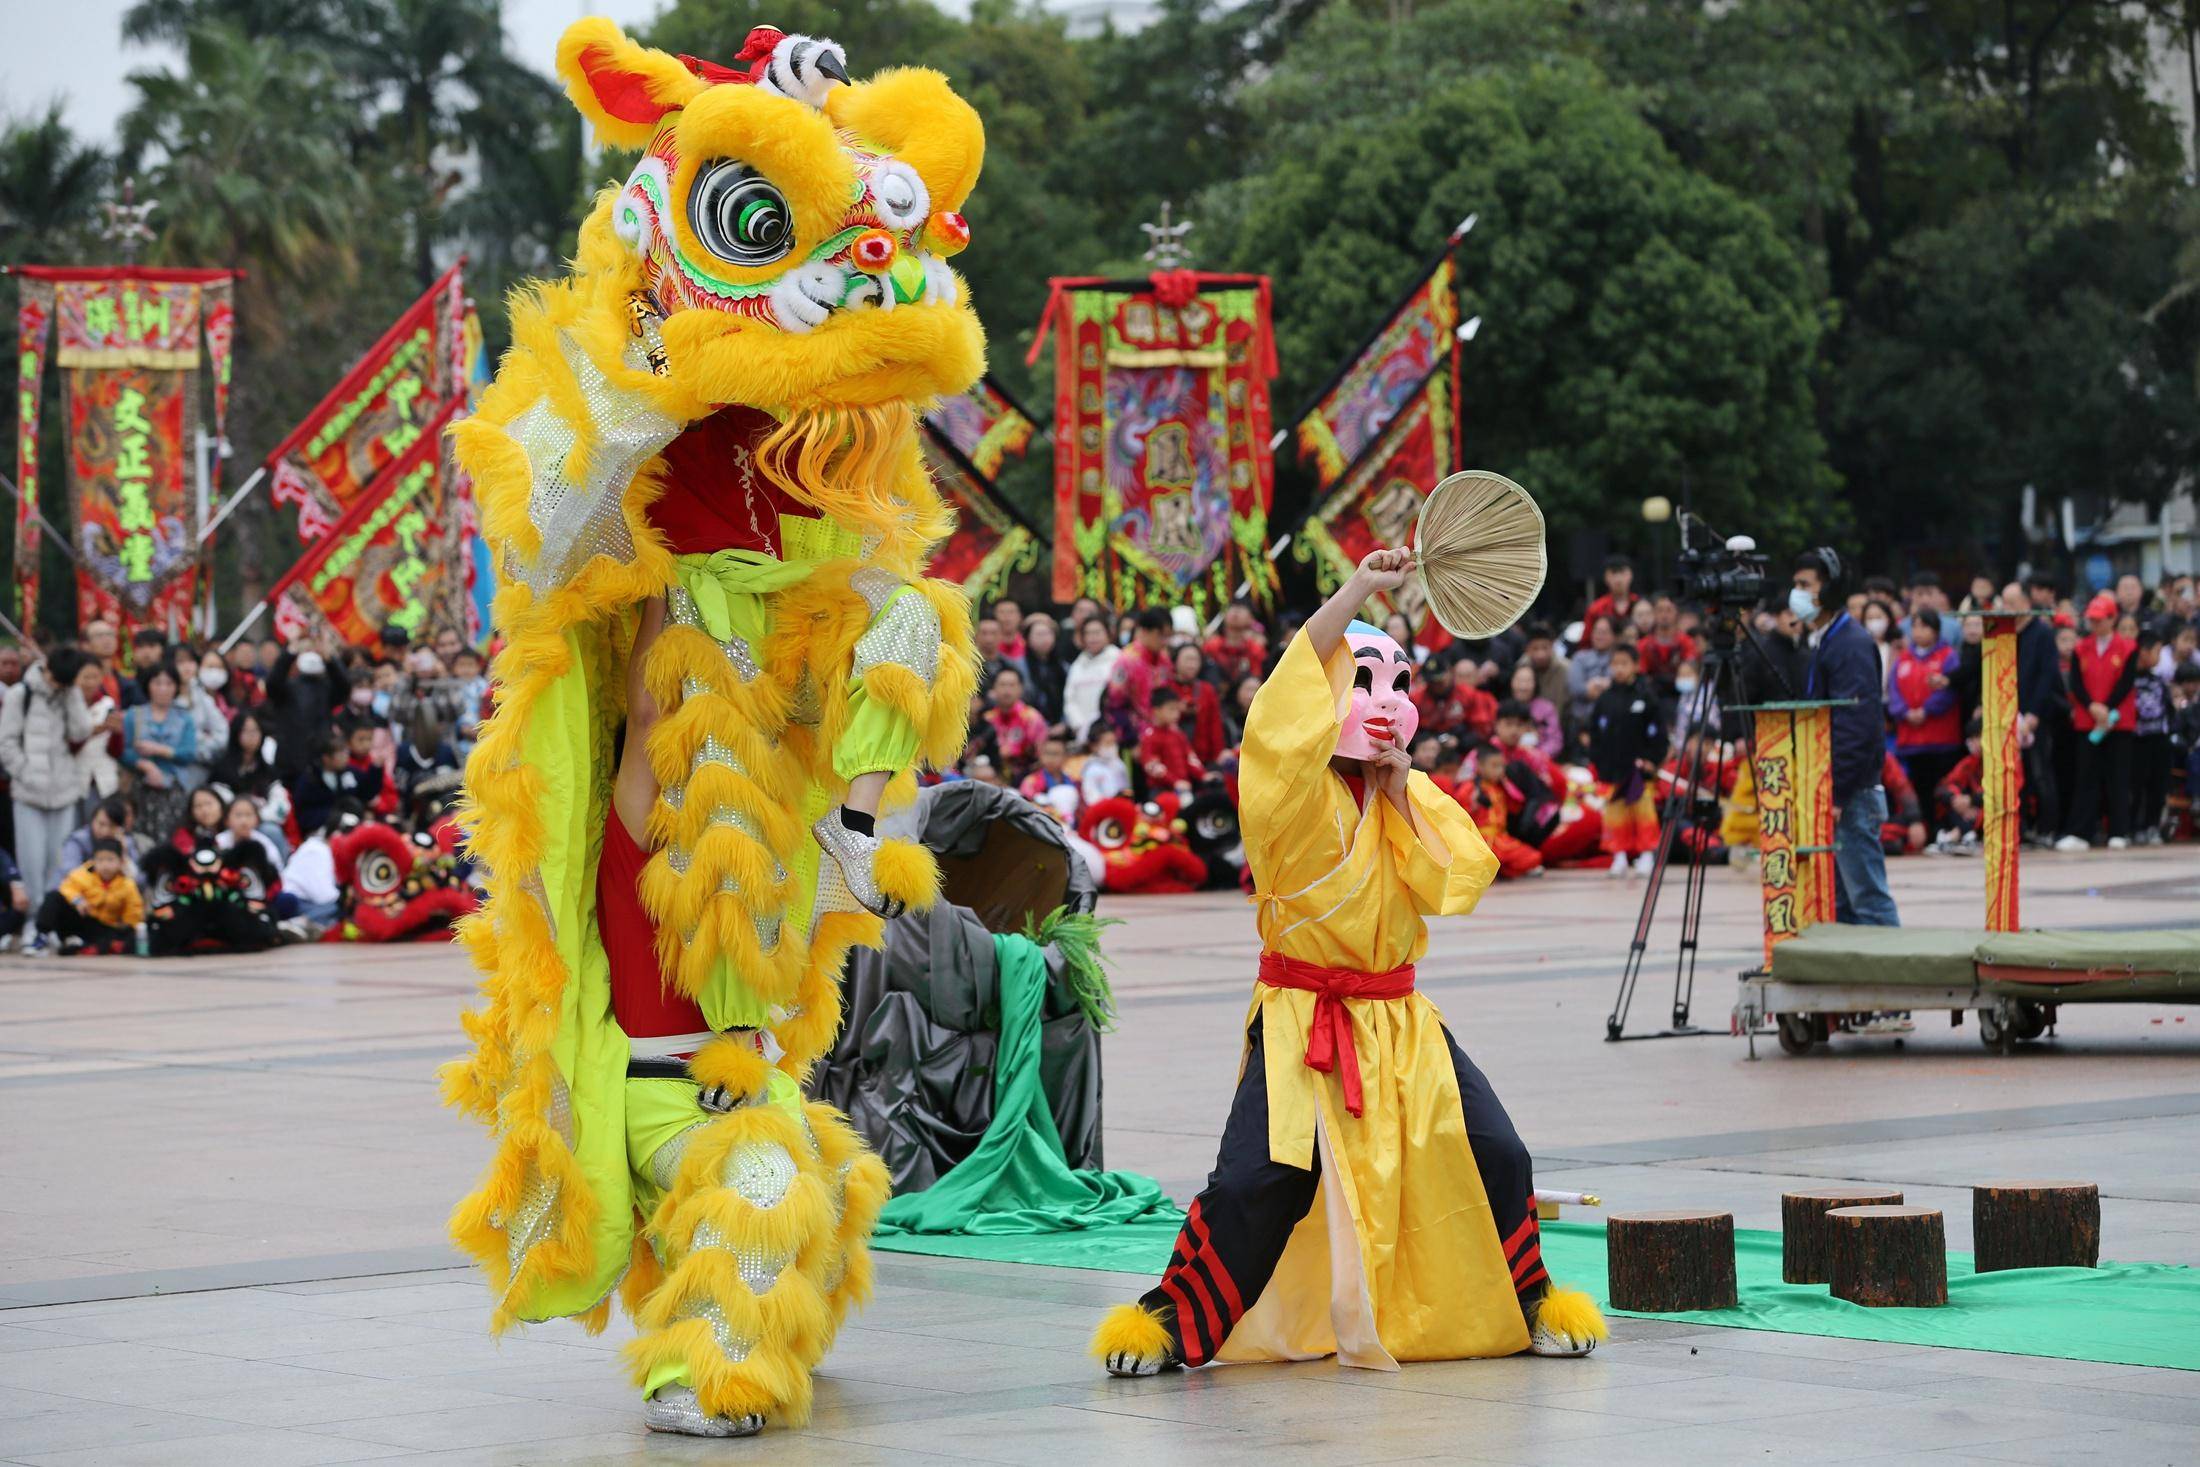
{"x":702,"y":443}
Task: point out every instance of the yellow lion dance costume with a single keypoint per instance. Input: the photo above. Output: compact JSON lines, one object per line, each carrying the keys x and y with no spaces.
{"x":700,"y":468}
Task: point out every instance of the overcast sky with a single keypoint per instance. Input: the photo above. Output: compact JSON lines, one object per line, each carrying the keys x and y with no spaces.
{"x":70,"y":49}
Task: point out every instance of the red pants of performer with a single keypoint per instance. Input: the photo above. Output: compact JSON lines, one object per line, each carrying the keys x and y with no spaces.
{"x":1574,"y":839}
{"x":1630,"y":826}
{"x":1515,"y":858}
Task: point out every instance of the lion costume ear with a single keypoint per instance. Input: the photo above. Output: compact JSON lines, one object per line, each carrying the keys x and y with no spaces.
{"x":623,"y":88}
{"x":912,"y":113}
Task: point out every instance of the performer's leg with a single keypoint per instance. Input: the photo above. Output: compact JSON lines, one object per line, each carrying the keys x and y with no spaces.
{"x":1560,"y":1321}
{"x":1232,"y":1239}
{"x":749,"y":1219}
{"x":1508,"y":1177}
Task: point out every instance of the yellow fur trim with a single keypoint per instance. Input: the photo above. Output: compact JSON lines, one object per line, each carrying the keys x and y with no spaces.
{"x":1132,"y":1329}
{"x":907,"y":872}
{"x":783,"y":1331}
{"x":1572,"y":1312}
{"x":856,"y":359}
{"x":595,"y":57}
{"x":913,"y":114}
{"x":788,"y":142}
{"x":733,"y":1063}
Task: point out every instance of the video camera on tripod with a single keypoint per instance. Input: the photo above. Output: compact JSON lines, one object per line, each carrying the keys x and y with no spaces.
{"x":1727,"y":578}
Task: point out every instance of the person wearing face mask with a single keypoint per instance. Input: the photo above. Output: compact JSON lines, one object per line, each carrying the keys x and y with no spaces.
{"x":305,"y":688}
{"x":1923,"y":707}
{"x":1844,"y":667}
{"x":206,"y":713}
{"x":1348,"y":1071}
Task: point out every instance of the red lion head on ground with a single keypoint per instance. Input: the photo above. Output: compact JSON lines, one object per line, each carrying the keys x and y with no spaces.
{"x":1141,"y":847}
{"x":399,"y":890}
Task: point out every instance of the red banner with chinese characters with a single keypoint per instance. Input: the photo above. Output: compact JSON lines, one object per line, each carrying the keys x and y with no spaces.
{"x":984,"y":425}
{"x":128,"y":339}
{"x":377,"y":412}
{"x":388,"y":561}
{"x":2001,"y":831}
{"x":129,"y":431}
{"x":1396,"y":367}
{"x":1377,"y":503}
{"x":1162,"y":468}
{"x":991,"y":541}
{"x":33,"y":323}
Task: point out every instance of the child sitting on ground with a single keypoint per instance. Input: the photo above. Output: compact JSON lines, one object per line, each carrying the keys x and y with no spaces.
{"x":1493,"y":804}
{"x":1959,"y":800}
{"x":97,"y":907}
{"x":1052,"y":774}
{"x":1165,"y":753}
{"x":1105,"y":775}
{"x":1626,"y":741}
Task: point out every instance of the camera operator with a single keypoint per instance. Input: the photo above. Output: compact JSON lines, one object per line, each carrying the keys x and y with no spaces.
{"x":1844,"y":665}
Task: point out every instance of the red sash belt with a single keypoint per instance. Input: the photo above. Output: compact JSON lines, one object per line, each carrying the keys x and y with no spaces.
{"x":1329,"y":1046}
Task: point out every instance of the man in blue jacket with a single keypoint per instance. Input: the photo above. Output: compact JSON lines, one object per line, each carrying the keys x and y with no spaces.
{"x":1845,"y":665}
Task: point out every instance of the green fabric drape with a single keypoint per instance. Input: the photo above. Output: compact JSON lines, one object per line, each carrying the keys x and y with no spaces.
{"x":1017,"y":1181}
{"x":729,"y":587}
{"x":2119,"y":1313}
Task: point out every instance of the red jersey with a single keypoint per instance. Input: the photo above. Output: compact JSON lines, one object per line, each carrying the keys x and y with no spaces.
{"x":1661,"y":658}
{"x":2104,"y":675}
{"x":1168,"y":757}
{"x":1605,"y":606}
{"x":1237,"y":660}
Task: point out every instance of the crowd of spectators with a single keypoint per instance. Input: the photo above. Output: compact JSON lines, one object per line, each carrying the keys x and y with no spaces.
{"x":1549,"y":722}
{"x":123,"y":763}
{"x":1566,"y":742}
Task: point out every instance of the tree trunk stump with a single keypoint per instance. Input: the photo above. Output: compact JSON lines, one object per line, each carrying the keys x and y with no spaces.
{"x":2035,"y":1225}
{"x":1806,"y":1240}
{"x":1666,"y":1262}
{"x":1888,"y":1257}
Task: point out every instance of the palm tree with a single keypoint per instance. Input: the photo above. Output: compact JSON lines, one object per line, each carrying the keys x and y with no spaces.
{"x":49,"y":188}
{"x":245,"y":151}
{"x":440,"y":79}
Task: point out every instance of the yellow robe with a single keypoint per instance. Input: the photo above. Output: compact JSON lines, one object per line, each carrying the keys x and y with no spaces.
{"x":1399,"y":1258}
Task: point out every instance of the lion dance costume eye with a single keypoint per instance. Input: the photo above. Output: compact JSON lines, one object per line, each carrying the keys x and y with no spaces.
{"x":700,"y":470}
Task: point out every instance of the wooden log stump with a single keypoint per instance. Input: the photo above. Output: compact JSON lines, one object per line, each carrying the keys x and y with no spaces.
{"x":1664,"y":1262}
{"x":2035,"y":1225}
{"x":1888,"y":1257}
{"x":1806,"y":1242}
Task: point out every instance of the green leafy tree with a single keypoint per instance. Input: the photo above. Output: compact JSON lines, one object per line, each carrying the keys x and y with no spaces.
{"x":1646,"y":331}
{"x":50,"y":184}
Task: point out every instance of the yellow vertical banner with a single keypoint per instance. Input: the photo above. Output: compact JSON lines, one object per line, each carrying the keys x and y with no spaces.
{"x":1777,"y":869}
{"x":2001,"y":827}
{"x":1813,"y":803}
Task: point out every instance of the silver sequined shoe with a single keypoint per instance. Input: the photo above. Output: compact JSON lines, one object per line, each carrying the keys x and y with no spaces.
{"x":845,"y":880}
{"x":675,"y":1409}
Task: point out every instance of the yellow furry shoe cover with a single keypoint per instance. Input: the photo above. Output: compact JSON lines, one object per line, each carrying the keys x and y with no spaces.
{"x":1133,"y":1340}
{"x":1567,"y":1322}
{"x":763,"y":1239}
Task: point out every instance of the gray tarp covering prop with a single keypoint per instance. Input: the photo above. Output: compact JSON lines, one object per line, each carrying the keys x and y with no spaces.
{"x":913,"y":1066}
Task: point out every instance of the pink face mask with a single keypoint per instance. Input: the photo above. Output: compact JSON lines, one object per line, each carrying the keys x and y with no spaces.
{"x":1380,"y":711}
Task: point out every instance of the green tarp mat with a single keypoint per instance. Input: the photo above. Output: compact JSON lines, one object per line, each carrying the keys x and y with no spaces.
{"x":2119,"y":1313}
{"x":1832,"y":952}
{"x":2160,"y":951}
{"x":1018,"y":1180}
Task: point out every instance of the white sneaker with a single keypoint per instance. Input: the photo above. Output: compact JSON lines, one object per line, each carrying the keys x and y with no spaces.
{"x":1619,"y":866}
{"x":2117,"y":843}
{"x":1645,"y":863}
{"x":2073,"y":843}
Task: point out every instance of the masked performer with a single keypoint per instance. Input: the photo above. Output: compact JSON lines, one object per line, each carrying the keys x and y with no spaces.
{"x":700,"y":468}
{"x":1371,"y":1199}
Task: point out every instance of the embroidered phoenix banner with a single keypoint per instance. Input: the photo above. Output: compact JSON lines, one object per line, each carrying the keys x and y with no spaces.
{"x":1163,"y":473}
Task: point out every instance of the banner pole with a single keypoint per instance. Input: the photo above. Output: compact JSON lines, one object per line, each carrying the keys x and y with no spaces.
{"x":250,"y":621}
{"x":230,"y":504}
{"x":39,"y":515}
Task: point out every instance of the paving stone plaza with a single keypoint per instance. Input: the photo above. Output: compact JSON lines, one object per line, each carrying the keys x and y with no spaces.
{"x":224,"y":1186}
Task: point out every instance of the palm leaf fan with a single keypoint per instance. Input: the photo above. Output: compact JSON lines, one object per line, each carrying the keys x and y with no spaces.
{"x":1479,"y":552}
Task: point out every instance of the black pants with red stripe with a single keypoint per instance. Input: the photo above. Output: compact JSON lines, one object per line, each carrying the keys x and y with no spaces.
{"x":1235,"y":1233}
